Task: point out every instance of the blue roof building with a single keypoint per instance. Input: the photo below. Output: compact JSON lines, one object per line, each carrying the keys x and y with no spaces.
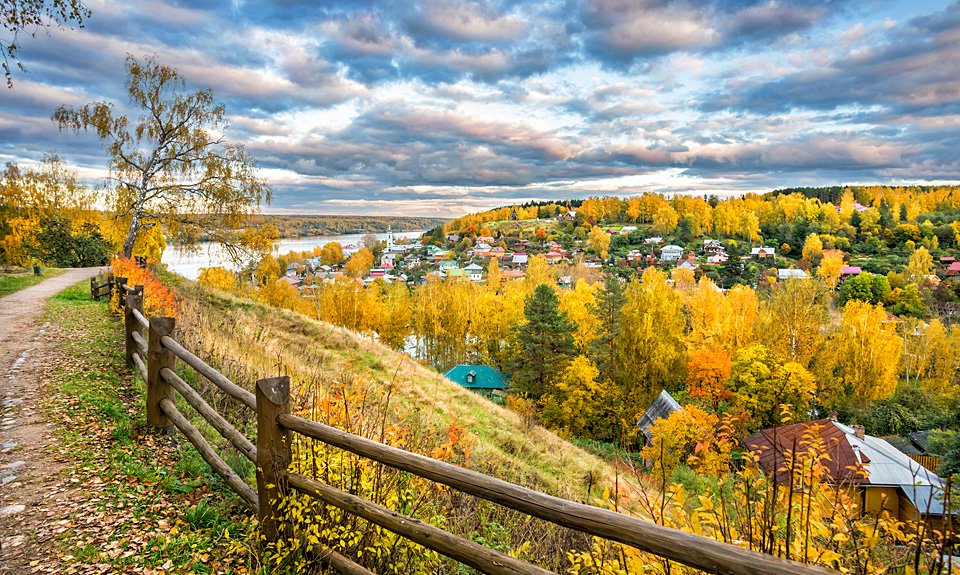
{"x":483,"y":379}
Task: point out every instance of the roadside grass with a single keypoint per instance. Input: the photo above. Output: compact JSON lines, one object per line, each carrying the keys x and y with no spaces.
{"x":14,"y":281}
{"x":149,"y":503}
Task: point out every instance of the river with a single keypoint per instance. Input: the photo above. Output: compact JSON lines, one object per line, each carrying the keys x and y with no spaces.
{"x":188,"y":264}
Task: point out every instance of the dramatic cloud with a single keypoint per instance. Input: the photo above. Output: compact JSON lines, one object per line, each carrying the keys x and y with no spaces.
{"x":449,"y":106}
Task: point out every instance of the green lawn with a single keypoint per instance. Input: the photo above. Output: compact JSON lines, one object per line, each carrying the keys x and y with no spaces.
{"x":156,"y":506}
{"x":16,"y":281}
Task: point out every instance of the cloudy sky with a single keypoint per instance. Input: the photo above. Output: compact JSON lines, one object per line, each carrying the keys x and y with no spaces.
{"x":442,"y":107}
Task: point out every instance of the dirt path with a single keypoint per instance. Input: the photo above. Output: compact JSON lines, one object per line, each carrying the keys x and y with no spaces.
{"x":29,"y":480}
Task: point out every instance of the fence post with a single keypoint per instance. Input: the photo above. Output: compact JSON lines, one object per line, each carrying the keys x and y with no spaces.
{"x":273,"y":452}
{"x":158,"y":357}
{"x":94,"y":292}
{"x":121,"y":293}
{"x":130,"y":323}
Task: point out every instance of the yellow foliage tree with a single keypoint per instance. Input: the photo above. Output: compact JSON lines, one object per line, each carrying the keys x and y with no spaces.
{"x":579,"y":304}
{"x":829,"y":270}
{"x":687,"y":437}
{"x":359,"y":263}
{"x":219,"y":278}
{"x":599,"y":241}
{"x":866,"y":351}
{"x":920,"y":264}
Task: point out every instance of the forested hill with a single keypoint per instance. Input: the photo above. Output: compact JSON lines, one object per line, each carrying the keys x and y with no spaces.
{"x":295,"y":226}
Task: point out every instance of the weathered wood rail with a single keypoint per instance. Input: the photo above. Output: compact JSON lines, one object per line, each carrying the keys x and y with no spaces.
{"x":152,"y":350}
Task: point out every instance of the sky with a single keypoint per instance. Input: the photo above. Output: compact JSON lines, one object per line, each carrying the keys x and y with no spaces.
{"x":445,"y":107}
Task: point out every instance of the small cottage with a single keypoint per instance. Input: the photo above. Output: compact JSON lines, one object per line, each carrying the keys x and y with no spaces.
{"x":483,"y":379}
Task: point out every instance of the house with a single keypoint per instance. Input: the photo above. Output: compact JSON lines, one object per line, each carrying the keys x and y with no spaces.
{"x":764,"y":252}
{"x":553,"y":257}
{"x":849,"y":272}
{"x":661,"y":407}
{"x":474,"y":272}
{"x":456,"y":273}
{"x":569,"y":216}
{"x":496,"y":252}
{"x":884,"y":477}
{"x":512,"y":275}
{"x":712,"y":246}
{"x":634,"y":256}
{"x":377,"y":273}
{"x":453,"y":238}
{"x":953,"y":270}
{"x":718,"y":258}
{"x":447,"y":265}
{"x":593,"y":263}
{"x":519,"y":259}
{"x":628,"y":229}
{"x":291,"y":279}
{"x":791,"y":274}
{"x":687,"y":265}
{"x":485,"y":240}
{"x":296,"y":267}
{"x":653,"y":241}
{"x":483,"y":379}
{"x":671,"y":253}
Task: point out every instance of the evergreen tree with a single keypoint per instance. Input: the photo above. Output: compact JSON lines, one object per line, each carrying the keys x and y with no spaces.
{"x":604,"y":347}
{"x":546,"y":344}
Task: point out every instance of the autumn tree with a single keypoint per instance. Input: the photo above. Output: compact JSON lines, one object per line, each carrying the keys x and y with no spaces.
{"x":761,"y":382}
{"x":359,"y":263}
{"x":793,"y":319}
{"x":218,"y":278}
{"x":33,"y":17}
{"x":706,"y":314}
{"x":829,"y":270}
{"x":171,"y":166}
{"x":651,"y":347}
{"x":920,"y":264}
{"x":812,"y":250}
{"x":688,"y":437}
{"x":579,"y":304}
{"x":331,"y":254}
{"x":665,"y":220}
{"x":576,"y":404}
{"x":599,"y":241}
{"x":546,"y":341}
{"x":707,"y":373}
{"x":396,"y":315}
{"x":866,"y":352}
{"x":267,"y":270}
{"x":47,"y":214}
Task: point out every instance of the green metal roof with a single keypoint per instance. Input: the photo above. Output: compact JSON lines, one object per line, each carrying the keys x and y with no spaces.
{"x":478,"y":377}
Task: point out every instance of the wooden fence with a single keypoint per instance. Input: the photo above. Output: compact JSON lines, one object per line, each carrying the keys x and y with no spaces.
{"x":152,"y":350}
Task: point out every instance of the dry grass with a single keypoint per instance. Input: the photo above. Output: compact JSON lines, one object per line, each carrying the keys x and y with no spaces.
{"x":248,"y":341}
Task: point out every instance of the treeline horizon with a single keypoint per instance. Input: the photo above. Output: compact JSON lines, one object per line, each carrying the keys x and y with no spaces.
{"x":303,"y":225}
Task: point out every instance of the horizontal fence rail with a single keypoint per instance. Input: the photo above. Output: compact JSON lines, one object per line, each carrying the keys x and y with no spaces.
{"x":153,"y":351}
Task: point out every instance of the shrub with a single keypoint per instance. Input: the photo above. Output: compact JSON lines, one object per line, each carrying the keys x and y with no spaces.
{"x":158,"y":299}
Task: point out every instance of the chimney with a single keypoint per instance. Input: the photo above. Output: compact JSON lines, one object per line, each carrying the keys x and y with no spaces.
{"x":858,"y":431}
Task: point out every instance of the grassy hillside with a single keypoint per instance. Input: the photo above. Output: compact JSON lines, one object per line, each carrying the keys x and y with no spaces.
{"x":348,"y":381}
{"x":248,"y":341}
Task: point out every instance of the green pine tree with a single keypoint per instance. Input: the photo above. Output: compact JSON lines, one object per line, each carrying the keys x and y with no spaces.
{"x":604,"y":347}
{"x":546,"y":344}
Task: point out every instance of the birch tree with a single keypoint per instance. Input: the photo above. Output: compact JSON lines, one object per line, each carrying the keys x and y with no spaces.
{"x":170,"y":165}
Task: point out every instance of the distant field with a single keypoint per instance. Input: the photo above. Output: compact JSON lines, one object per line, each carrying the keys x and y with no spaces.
{"x":318,"y":225}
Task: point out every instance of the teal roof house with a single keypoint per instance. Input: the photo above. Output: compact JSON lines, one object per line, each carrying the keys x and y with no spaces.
{"x":483,"y":379}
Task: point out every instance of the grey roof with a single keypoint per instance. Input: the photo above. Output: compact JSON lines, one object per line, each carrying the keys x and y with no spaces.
{"x":791,"y":274}
{"x":886,"y":464}
{"x":662,"y":406}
